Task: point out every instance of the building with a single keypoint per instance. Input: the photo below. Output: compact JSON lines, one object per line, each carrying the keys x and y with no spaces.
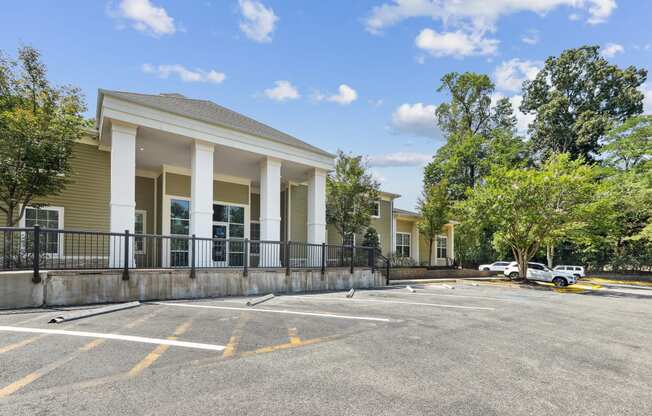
{"x":170,"y":165}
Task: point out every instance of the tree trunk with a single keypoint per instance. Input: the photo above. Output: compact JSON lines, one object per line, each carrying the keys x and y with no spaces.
{"x":550,"y":254}
{"x":430,"y":253}
{"x":521,"y":259}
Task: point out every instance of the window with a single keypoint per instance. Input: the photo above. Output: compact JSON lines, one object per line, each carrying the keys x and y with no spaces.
{"x":229,"y":220}
{"x":375,"y":210}
{"x":442,"y":247}
{"x":47,"y":217}
{"x":403,"y":244}
{"x":179,"y":225}
{"x":139,"y":228}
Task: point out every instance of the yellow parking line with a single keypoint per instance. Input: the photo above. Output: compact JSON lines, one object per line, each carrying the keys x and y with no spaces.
{"x":288,"y":345}
{"x":232,"y":346}
{"x":294,"y":338}
{"x":158,"y":351}
{"x":30,"y":378}
{"x":20,"y":344}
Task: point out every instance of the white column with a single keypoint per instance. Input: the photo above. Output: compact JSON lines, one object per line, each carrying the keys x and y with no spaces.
{"x":201,"y":192}
{"x":270,"y":211}
{"x":123,"y":187}
{"x":316,"y":214}
{"x":414,"y":243}
{"x":452,"y":242}
{"x":317,"y":207}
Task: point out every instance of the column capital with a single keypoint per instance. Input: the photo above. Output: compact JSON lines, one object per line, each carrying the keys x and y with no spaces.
{"x":271,"y":161}
{"x":201,"y":145}
{"x":124,"y":128}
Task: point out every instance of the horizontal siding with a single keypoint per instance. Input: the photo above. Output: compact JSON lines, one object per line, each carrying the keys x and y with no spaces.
{"x":145,"y":200}
{"x":86,"y":198}
{"x":299,"y":213}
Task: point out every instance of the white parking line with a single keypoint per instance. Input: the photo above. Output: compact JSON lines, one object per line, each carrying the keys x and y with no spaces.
{"x":119,"y":337}
{"x":438,"y":305}
{"x":281,"y":311}
{"x":462,"y":296}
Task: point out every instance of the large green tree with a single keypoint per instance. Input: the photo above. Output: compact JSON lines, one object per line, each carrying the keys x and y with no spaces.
{"x":351,"y":195}
{"x":434,"y":209}
{"x":576,"y":97}
{"x":528,"y":206}
{"x":39,"y":123}
{"x":629,"y":145}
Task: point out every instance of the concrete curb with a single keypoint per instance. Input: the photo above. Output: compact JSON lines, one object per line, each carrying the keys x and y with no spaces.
{"x":92,"y":312}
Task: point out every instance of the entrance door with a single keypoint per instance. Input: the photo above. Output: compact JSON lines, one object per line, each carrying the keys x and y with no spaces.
{"x":220,"y":247}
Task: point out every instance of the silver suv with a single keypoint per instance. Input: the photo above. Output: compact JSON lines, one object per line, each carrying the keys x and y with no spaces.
{"x":540,"y":272}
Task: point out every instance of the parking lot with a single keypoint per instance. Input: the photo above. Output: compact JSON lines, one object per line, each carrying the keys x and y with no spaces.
{"x":452,"y":349}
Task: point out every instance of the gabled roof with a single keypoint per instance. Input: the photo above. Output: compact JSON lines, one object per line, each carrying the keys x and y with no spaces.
{"x":209,"y":112}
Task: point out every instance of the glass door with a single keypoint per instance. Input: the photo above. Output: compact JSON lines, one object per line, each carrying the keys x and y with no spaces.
{"x":228,"y":223}
{"x":219,"y":247}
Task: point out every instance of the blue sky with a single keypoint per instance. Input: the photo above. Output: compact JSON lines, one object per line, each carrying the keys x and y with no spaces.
{"x":360,"y":76}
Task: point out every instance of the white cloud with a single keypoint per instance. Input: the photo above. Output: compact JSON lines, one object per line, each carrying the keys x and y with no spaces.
{"x":146,"y":17}
{"x":612,"y":49}
{"x":259,"y":21}
{"x":186,"y":75}
{"x":531,"y":37}
{"x":574,"y":17}
{"x":510,"y":75}
{"x":346,"y":95}
{"x":457,"y":44}
{"x":283,"y":91}
{"x":416,"y":119}
{"x":478,"y":14}
{"x":600,"y":10}
{"x":398,"y":159}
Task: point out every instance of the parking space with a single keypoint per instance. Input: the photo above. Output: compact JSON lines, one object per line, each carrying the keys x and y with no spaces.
{"x":457,"y":348}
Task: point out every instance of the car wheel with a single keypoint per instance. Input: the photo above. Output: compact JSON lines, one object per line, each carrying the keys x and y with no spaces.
{"x":513,"y":275}
{"x":486,"y":269}
{"x":559,"y":281}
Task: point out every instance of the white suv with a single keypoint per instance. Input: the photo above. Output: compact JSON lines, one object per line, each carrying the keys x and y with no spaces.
{"x":578,"y":271}
{"x":498,"y":266}
{"x":538,"y":271}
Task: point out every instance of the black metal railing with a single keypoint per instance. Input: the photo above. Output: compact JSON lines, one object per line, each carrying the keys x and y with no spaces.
{"x":53,"y":249}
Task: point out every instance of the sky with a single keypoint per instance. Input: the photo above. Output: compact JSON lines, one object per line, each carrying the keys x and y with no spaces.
{"x":359,"y":76}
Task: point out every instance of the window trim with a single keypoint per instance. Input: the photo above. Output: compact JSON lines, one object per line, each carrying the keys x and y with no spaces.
{"x":378,"y":205}
{"x":144,"y":214}
{"x":408,"y":245}
{"x":60,"y":242}
{"x":445,"y":246}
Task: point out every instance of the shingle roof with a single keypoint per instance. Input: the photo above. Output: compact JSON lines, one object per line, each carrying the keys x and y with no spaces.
{"x":209,"y":112}
{"x":405,"y":212}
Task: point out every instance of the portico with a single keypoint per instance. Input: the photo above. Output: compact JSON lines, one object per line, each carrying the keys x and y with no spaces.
{"x":213,"y":173}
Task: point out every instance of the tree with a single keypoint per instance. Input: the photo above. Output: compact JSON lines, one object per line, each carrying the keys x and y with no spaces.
{"x":351,"y":195}
{"x":371,"y":238}
{"x":576,"y":97}
{"x":529,"y":205}
{"x":475,"y":131}
{"x":630,"y":144}
{"x":434,"y":208}
{"x":39,"y":124}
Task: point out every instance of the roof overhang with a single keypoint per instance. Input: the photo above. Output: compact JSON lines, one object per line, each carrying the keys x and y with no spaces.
{"x":111,"y":108}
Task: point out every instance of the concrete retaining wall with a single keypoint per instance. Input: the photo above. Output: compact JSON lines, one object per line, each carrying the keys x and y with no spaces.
{"x":409,"y":273}
{"x":18,"y":291}
{"x":61,"y":288}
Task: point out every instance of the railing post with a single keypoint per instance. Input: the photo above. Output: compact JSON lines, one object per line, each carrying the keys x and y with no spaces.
{"x":36,"y":278}
{"x":193,"y":265}
{"x":352,"y":258}
{"x":323,"y":258}
{"x":245,"y":270}
{"x":125,"y":268}
{"x":387,"y":276}
{"x":287,"y":257}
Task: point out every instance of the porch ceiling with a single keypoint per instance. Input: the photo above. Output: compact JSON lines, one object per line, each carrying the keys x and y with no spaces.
{"x":155,"y":148}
